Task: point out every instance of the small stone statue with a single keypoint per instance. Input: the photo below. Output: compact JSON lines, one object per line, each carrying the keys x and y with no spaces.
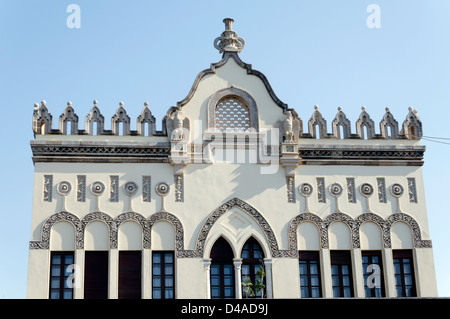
{"x":178,"y":132}
{"x":288,"y":133}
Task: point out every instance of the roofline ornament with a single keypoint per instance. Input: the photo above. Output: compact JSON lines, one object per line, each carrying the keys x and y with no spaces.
{"x":229,"y":40}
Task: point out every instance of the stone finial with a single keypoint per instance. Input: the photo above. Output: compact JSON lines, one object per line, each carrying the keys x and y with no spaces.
{"x":229,"y":40}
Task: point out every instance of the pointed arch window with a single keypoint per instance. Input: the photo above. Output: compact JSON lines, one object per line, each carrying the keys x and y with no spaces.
{"x":252,"y":264}
{"x":222,"y":270}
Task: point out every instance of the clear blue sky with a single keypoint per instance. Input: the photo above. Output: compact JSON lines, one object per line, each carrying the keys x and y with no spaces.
{"x":312,"y":52}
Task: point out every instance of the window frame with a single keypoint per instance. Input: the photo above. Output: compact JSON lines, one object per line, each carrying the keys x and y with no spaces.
{"x":252,"y":262}
{"x":163,"y":276}
{"x":62,"y":278}
{"x":401,"y":255}
{"x":309,"y":256}
{"x":339,"y":259}
{"x":370,"y":254}
{"x":221,"y":277}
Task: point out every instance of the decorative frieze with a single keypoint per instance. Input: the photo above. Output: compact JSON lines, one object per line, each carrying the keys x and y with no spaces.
{"x":146,"y":223}
{"x":146,"y":188}
{"x":412,"y":192}
{"x":48,"y":187}
{"x":381,"y":189}
{"x":81,"y":188}
{"x":179,"y":188}
{"x":321,"y":196}
{"x":114,"y":188}
{"x":351,"y":196}
{"x":290,"y":183}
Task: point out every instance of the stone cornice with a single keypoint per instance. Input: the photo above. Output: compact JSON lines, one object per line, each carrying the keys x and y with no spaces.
{"x":362,"y":155}
{"x":78,"y":152}
{"x":312,"y":154}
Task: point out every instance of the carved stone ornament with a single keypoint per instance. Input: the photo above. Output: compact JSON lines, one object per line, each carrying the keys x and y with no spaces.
{"x":130,"y":188}
{"x":305,"y":189}
{"x":97,"y":188}
{"x":64,"y":188}
{"x":162,"y":189}
{"x":336,"y":189}
{"x":366,"y":190}
{"x":229,"y":40}
{"x":146,"y":224}
{"x":397,"y":190}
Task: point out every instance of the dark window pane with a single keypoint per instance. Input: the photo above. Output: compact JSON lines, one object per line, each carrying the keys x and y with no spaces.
{"x":309,"y":274}
{"x":96,"y":275}
{"x":163,"y":280}
{"x":59,"y":275}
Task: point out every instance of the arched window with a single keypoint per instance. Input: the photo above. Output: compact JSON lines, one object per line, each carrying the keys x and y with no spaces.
{"x":222,"y":270}
{"x":252,"y":268}
{"x":232,"y":114}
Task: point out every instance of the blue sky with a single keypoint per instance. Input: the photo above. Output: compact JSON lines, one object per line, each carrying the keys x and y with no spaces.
{"x":312,"y":52}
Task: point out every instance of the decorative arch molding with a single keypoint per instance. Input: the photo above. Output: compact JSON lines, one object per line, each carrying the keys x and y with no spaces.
{"x":105,"y":218}
{"x":245,"y":207}
{"x":44,"y":243}
{"x":146,"y":224}
{"x":138,"y":218}
{"x":232,"y":91}
{"x":412,"y":223}
{"x":355,"y":225}
{"x":306,"y":217}
{"x":179,"y":233}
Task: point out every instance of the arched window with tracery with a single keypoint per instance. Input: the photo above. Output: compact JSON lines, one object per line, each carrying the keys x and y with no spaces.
{"x":252,"y":268}
{"x":232,"y":114}
{"x":222,"y":270}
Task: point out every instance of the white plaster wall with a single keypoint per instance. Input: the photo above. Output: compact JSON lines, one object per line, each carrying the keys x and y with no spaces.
{"x":163,"y":236}
{"x":62,"y":236}
{"x":130,"y":236}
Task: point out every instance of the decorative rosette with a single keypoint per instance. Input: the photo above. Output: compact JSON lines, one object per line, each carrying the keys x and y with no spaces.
{"x":305,"y":189}
{"x":162,"y":189}
{"x":64,"y":188}
{"x":97,"y":188}
{"x":130,"y":188}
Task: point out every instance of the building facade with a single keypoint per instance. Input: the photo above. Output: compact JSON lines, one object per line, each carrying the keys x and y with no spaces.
{"x":236,"y":189}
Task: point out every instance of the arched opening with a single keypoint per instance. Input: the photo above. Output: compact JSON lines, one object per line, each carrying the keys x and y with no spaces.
{"x":222,"y":270}
{"x":232,"y":114}
{"x":253,"y":269}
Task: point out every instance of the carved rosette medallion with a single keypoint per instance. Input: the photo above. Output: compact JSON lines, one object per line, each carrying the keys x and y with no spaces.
{"x":97,"y":188}
{"x":64,"y":188}
{"x":130,"y":188}
{"x":336,"y":189}
{"x":162,"y":189}
{"x":305,"y":189}
{"x":366,"y":190}
{"x":397,"y":190}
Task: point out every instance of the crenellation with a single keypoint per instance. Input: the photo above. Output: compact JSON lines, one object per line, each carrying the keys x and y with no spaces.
{"x":317,"y":125}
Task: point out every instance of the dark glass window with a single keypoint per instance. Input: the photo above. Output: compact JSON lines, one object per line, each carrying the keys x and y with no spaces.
{"x":341,"y":273}
{"x":130,"y":274}
{"x":373,"y":274}
{"x":96,"y":274}
{"x":310,"y":283}
{"x":222,"y":270}
{"x":252,"y":266}
{"x":404,"y":273}
{"x":163,"y":275}
{"x":60,"y":283}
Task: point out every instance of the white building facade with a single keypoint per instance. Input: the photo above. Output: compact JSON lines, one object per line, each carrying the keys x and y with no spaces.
{"x":234,"y":183}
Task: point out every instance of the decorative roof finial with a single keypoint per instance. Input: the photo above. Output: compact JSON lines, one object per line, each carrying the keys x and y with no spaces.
{"x":229,"y":40}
